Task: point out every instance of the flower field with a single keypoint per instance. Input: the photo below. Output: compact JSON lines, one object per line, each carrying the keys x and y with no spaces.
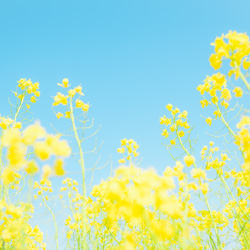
{"x":201,"y":202}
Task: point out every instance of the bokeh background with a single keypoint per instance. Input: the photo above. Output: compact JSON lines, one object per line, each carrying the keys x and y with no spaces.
{"x":131,"y":58}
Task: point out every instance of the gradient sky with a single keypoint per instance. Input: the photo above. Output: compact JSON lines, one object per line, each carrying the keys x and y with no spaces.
{"x":131,"y":58}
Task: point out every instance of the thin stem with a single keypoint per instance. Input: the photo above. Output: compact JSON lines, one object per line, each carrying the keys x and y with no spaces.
{"x":205,"y":196}
{"x":54,"y":218}
{"x":19,"y":107}
{"x":82,"y":164}
{"x":243,"y":78}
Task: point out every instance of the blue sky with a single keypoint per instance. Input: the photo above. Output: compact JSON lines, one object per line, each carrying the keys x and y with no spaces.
{"x":131,"y":58}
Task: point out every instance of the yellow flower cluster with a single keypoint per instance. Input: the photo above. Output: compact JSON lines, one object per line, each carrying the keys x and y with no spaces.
{"x":75,"y":223}
{"x":60,"y":99}
{"x":18,"y":143}
{"x":5,"y":122}
{"x":176,"y":124}
{"x":235,"y":48}
{"x":243,"y":141}
{"x":65,"y":83}
{"x":130,"y":146}
{"x":189,"y":160}
{"x":44,"y":186}
{"x":63,"y":99}
{"x":82,"y":105}
{"x":15,"y":231}
{"x":135,"y":208}
{"x":144,"y":200}
{"x":30,"y":88}
{"x":205,"y":222}
{"x":216,"y":87}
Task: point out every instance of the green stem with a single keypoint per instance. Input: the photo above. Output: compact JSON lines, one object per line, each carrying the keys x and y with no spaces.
{"x":243,"y":78}
{"x":225,"y":122}
{"x":19,"y":107}
{"x":82,"y":164}
{"x":229,"y":128}
{"x":230,"y":192}
{"x":153,"y":235}
{"x":205,"y":197}
{"x":54,"y":218}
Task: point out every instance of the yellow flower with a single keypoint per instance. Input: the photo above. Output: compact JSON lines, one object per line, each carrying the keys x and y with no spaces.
{"x":209,"y":121}
{"x":61,"y":148}
{"x":42,"y":150}
{"x":37,"y":93}
{"x":238,"y":92}
{"x":72,"y":92}
{"x":225,"y":94}
{"x":235,"y":71}
{"x":173,"y":142}
{"x":224,"y":157}
{"x":31,"y":167}
{"x":175,"y":111}
{"x":166,"y":121}
{"x":235,"y":49}
{"x":165,"y":133}
{"x":65,"y":83}
{"x":246,"y":64}
{"x":192,"y":186}
{"x":67,"y":114}
{"x":189,"y":160}
{"x":204,"y":103}
{"x":23,"y":83}
{"x":122,"y":161}
{"x":59,"y":115}
{"x":16,"y":154}
{"x":245,"y":121}
{"x":79,"y":90}
{"x":85,"y":107}
{"x":124,"y":142}
{"x":225,"y":104}
{"x":47,"y":172}
{"x":135,"y":154}
{"x":217,"y":114}
{"x":33,"y":99}
{"x":79,"y":103}
{"x":204,"y":188}
{"x":215,"y":100}
{"x":198,"y":173}
{"x":215,"y":61}
{"x":69,"y":234}
{"x":135,"y":145}
{"x":129,"y":148}
{"x":11,"y":137}
{"x":58,"y":167}
{"x":121,"y":150}
{"x":7,"y":176}
{"x":212,"y":92}
{"x":183,"y":114}
{"x":172,"y":128}
{"x":169,"y":107}
{"x":179,"y":122}
{"x":181,"y":133}
{"x":18,"y":125}
{"x":60,"y":99}
{"x":33,"y":132}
